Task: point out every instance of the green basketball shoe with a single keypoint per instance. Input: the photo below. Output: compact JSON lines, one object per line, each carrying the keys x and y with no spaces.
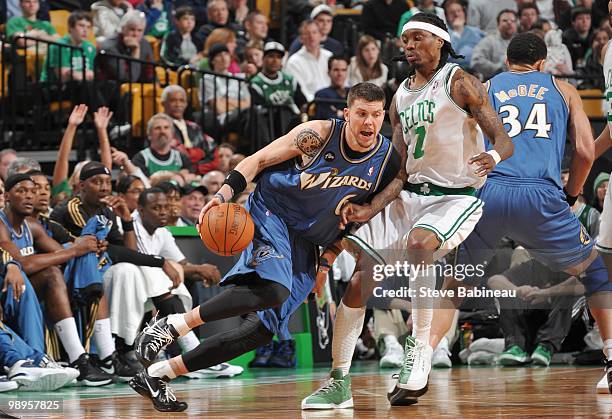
{"x":513,"y":356}
{"x":335,"y":394}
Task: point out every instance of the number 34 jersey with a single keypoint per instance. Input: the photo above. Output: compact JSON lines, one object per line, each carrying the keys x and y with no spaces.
{"x":535,"y":115}
{"x":441,"y":137}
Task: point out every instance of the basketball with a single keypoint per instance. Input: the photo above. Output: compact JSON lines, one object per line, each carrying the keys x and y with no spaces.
{"x":227,"y":229}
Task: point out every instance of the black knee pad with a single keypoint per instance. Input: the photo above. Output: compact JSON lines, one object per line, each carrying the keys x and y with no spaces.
{"x":170,"y":305}
{"x":276,"y":294}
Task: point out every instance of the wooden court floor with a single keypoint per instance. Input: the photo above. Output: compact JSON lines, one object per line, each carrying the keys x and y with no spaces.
{"x":480,"y":392}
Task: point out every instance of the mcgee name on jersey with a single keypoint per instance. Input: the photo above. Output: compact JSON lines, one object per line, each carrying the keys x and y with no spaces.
{"x":522,"y":90}
{"x":421,"y":111}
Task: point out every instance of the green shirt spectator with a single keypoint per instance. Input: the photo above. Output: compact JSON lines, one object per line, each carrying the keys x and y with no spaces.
{"x":67,"y":58}
{"x":17,"y":25}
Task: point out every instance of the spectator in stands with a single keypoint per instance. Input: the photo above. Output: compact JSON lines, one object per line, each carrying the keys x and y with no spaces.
{"x":65,"y":64}
{"x":182,"y":45}
{"x":218,"y":17}
{"x":160,"y":155}
{"x":600,"y":187}
{"x":558,"y":58}
{"x":238,"y":11}
{"x":120,"y":159}
{"x":225,"y":152}
{"x":130,"y":42}
{"x":107,"y":16}
{"x":13,"y":9}
{"x":198,"y":6}
{"x":578,"y":37}
{"x":564,"y":8}
{"x":2,"y":201}
{"x":489,"y":56}
{"x":255,"y":29}
{"x":253,"y":59}
{"x":337,"y":92}
{"x":463,"y":37}
{"x":129,"y":188}
{"x":237,"y":158}
{"x":274,"y":87}
{"x":167,"y":176}
{"x":28,"y":24}
{"x":593,"y":68}
{"x":192,"y":202}
{"x":379,"y":18}
{"x":323,"y":15}
{"x":173,"y":196}
{"x":22,"y":165}
{"x":528,"y":15}
{"x":188,"y":136}
{"x":420,"y":6}
{"x":225,"y":37}
{"x":309,"y":66}
{"x":367,"y":64}
{"x":159,"y":17}
{"x":213,"y":181}
{"x":225,"y":99}
{"x":484,"y":13}
{"x":6,"y":158}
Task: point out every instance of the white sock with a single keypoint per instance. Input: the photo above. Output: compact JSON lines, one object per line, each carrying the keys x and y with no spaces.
{"x":422,"y":307}
{"x":188,"y":342}
{"x":67,"y":331}
{"x":607,"y":347}
{"x":103,"y":338}
{"x":178,"y":322}
{"x":161,"y":369}
{"x":348,"y":326}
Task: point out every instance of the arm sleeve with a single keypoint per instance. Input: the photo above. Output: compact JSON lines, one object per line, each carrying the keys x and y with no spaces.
{"x":120,"y":254}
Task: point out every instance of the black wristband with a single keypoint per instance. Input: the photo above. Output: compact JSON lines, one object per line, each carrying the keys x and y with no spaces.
{"x":571,"y":200}
{"x":127,"y":225}
{"x":236,"y":181}
{"x":16,"y":263}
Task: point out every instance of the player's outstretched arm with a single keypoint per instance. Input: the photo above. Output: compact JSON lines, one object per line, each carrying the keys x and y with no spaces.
{"x":303,"y":141}
{"x":581,"y":136}
{"x":469,"y":93}
{"x":603,"y":142}
{"x":362,"y":213}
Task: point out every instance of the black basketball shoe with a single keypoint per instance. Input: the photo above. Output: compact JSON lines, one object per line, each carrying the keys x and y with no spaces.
{"x":157,"y":335}
{"x":158,"y":390}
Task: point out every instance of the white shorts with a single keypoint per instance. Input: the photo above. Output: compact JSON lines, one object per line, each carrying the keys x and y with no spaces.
{"x":604,"y":239}
{"x":450,"y":217}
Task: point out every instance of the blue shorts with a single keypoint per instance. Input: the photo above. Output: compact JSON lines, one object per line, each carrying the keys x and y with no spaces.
{"x":280,"y":255}
{"x":533,"y":213}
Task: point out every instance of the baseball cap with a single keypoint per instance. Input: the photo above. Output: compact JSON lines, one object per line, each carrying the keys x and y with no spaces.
{"x":274,"y":46}
{"x":187,"y":189}
{"x":321,"y":8}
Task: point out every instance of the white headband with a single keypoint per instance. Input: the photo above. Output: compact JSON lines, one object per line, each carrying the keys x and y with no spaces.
{"x":427,"y":27}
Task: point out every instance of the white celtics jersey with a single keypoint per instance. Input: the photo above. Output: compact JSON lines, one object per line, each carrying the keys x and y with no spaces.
{"x":607,"y":69}
{"x":441,"y":137}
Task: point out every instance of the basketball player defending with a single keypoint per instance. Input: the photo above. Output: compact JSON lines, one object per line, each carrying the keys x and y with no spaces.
{"x":439,"y":114}
{"x":524,"y":196}
{"x":604,"y":239}
{"x":305,"y":177}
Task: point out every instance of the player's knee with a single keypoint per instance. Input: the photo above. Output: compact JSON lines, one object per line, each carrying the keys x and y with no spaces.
{"x":276,"y":294}
{"x":54,"y":278}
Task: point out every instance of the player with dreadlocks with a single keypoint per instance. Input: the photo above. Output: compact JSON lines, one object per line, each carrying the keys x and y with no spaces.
{"x":438,"y":114}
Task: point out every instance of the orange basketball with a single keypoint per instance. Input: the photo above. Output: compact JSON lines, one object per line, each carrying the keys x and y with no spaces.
{"x":227,"y":229}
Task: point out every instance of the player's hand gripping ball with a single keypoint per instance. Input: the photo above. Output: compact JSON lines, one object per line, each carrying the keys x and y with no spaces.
{"x":227,"y":229}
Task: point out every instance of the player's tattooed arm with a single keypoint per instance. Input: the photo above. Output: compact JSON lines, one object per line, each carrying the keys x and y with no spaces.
{"x":309,"y":142}
{"x":470,"y":94}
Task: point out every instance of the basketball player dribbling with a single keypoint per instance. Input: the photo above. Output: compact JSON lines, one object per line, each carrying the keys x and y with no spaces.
{"x":304,"y":179}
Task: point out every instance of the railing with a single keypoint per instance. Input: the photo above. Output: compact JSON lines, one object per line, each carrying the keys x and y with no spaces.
{"x":132,"y":88}
{"x":219,"y":103}
{"x":35,"y":99}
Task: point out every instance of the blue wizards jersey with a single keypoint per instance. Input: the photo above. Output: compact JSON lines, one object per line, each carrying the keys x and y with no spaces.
{"x":535,"y":115}
{"x":309,"y":198}
{"x":23,"y":241}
